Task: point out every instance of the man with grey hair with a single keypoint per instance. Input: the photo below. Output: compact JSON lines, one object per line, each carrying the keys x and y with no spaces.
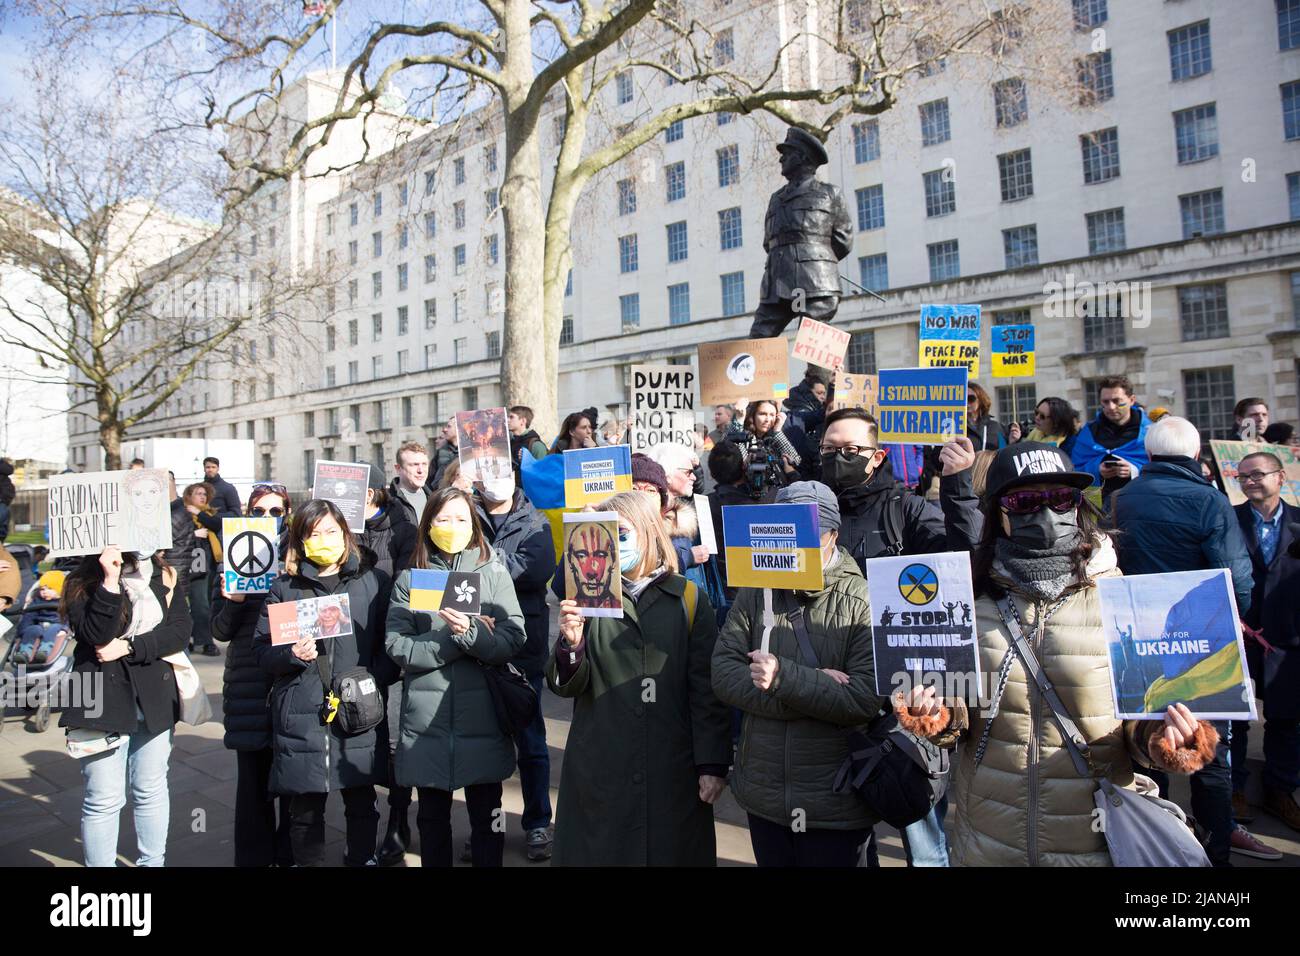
{"x":1171,"y":519}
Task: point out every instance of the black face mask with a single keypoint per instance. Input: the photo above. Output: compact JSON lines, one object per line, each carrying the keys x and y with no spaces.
{"x":1044,"y":530}
{"x":842,"y":473}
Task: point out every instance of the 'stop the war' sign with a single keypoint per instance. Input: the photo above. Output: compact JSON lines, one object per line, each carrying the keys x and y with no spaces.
{"x":1013,"y":350}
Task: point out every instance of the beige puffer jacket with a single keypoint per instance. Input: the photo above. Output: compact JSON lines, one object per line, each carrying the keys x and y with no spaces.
{"x":1027,"y":805}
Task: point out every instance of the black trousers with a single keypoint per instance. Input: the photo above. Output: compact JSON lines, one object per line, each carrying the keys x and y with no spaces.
{"x":307,"y":826}
{"x":399,"y":798}
{"x":1211,"y":798}
{"x":260,"y":839}
{"x":771,"y":318}
{"x":487,"y":839}
{"x":779,"y":845}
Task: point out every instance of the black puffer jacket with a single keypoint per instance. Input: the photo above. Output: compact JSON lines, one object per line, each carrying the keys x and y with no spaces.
{"x":245,"y":687}
{"x":925,"y":528}
{"x":311,"y":757}
{"x":181,"y":554}
{"x":391,"y":539}
{"x":523,"y":543}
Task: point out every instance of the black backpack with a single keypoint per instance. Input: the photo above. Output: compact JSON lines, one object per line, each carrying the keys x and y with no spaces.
{"x":899,"y":775}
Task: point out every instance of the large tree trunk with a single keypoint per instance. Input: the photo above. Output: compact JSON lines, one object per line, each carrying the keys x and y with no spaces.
{"x":111,"y":433}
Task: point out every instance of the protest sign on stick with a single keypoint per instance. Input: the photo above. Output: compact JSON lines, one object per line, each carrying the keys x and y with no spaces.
{"x":593,"y":474}
{"x":950,"y":337}
{"x":663,"y":406}
{"x":249,"y":558}
{"x":820,"y":344}
{"x":483,"y":444}
{"x":591,"y":566}
{"x":743,"y":370}
{"x":344,"y":483}
{"x":1013,"y":350}
{"x":855,"y":390}
{"x":773,"y":546}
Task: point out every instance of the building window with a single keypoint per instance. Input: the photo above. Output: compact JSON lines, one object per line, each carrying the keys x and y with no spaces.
{"x":308,"y":468}
{"x":1202,"y":213}
{"x":1196,"y":133}
{"x":430,"y":268}
{"x":430,"y":225}
{"x":408,"y":412}
{"x":730,"y":229}
{"x":733,"y":293}
{"x":728,"y":165}
{"x":458,"y":306}
{"x":1096,"y":78}
{"x":623,"y":86}
{"x":461,"y":347}
{"x":379,"y":204}
{"x":352,"y":253}
{"x":377,"y":327}
{"x":1295,"y":300}
{"x":329,"y":377}
{"x":403,"y":276}
{"x":1016,"y":403}
{"x":329,"y":224}
{"x":871,"y":208}
{"x":403,"y":194}
{"x":430,"y":351}
{"x":429,"y":180}
{"x":568,"y":283}
{"x":1020,"y":246}
{"x":1100,"y":155}
{"x":492,"y":245}
{"x":724,"y":47}
{"x":945,"y":260}
{"x":377,"y":244}
{"x":1293,"y":194}
{"x":559,"y":126}
{"x":352,"y":214}
{"x":490,"y":158}
{"x":354,"y":372}
{"x":1012,"y":317}
{"x":629,"y":310}
{"x":330,"y":338}
{"x":458,"y":258}
{"x":1209,"y":396}
{"x":857,"y":16}
{"x":490,"y":202}
{"x":1189,"y":51}
{"x":1291,"y":109}
{"x":403,"y":320}
{"x":1010,"y":102}
{"x":627,"y":254}
{"x":1288,"y":24}
{"x":725,"y":117}
{"x":934,"y":123}
{"x":470,"y":396}
{"x":352,"y":331}
{"x":566,"y":330}
{"x":677,"y":244}
{"x":860,"y":357}
{"x":458,"y":213}
{"x":403,"y":236}
{"x":1089,"y":13}
{"x":1016,"y":175}
{"x":675,"y":179}
{"x":873,"y":272}
{"x":1103,"y":325}
{"x":866,"y":141}
{"x":1106,"y":232}
{"x":458,"y":171}
{"x":309,"y":424}
{"x":679,"y":303}
{"x":626,"y":197}
{"x":430,"y":312}
{"x":940,"y":193}
{"x":674,"y":132}
{"x":376,"y":284}
{"x":1203,"y":311}
{"x":403,"y":357}
{"x":494,"y":345}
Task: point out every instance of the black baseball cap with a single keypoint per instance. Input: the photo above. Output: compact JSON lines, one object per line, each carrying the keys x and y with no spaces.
{"x":1031,"y":462}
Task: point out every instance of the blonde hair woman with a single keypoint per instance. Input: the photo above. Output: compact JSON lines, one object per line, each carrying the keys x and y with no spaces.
{"x":649,"y":743}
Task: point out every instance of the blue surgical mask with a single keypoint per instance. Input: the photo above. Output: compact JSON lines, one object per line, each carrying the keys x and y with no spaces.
{"x":629,"y":551}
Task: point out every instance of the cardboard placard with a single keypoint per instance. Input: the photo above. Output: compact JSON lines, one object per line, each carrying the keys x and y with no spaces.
{"x":921,"y":406}
{"x":315,"y":618}
{"x":593,"y":474}
{"x":923,"y":610}
{"x":1230,"y":453}
{"x":1175,"y":638}
{"x":590,"y":560}
{"x":129,"y":510}
{"x":820,"y":344}
{"x":435,"y":590}
{"x":483,"y":443}
{"x":1013,"y":350}
{"x":663,"y":406}
{"x":743,"y":370}
{"x":950,"y":337}
{"x":250,"y":560}
{"x":344,"y":483}
{"x":773,"y":546}
{"x":854,"y":390}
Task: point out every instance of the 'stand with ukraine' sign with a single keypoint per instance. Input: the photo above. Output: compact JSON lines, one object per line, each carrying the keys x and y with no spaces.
{"x":773,"y":546}
{"x":921,"y":406}
{"x":593,"y":474}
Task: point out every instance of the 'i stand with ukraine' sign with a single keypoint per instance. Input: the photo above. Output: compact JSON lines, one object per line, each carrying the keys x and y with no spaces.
{"x":593,"y":474}
{"x":773,"y":546}
{"x":1013,"y":350}
{"x":950,"y":337}
{"x":921,"y":406}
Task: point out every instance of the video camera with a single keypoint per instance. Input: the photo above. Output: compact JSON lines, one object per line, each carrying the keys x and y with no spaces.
{"x":763,"y":468}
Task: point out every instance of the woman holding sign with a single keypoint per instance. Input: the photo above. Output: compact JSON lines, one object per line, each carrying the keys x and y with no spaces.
{"x":649,"y":744}
{"x":313,"y":756}
{"x":126,"y":617}
{"x":1020,"y":800}
{"x":450,"y":736}
{"x":261,"y":819}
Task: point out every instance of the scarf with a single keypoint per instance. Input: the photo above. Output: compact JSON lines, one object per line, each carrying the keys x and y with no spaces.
{"x":146,"y":612}
{"x":1043,"y":575}
{"x":634,"y":589}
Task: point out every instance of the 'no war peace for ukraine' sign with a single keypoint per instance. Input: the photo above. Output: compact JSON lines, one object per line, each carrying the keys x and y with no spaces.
{"x":950,"y":337}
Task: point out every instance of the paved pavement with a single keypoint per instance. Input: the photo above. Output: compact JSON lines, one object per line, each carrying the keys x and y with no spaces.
{"x":41,"y":789}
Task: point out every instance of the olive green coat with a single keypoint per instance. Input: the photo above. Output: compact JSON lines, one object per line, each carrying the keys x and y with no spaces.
{"x":644,"y":720}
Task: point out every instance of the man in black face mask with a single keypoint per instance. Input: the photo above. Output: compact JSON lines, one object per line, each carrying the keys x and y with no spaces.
{"x":879,"y":518}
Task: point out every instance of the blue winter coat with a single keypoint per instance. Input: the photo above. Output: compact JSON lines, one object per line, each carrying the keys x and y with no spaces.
{"x":1087,"y":453}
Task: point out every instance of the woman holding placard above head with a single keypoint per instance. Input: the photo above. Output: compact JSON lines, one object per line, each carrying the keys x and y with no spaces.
{"x":126,"y":617}
{"x":1023,"y":797}
{"x":261,"y":833}
{"x":796,"y":710}
{"x":451,"y":737}
{"x":649,"y":744}
{"x":316,"y":753}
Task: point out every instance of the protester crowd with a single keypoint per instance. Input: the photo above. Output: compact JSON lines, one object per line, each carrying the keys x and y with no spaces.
{"x":1125,"y":492}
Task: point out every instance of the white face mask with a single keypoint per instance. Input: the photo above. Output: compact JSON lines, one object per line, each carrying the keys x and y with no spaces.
{"x":497,"y":490}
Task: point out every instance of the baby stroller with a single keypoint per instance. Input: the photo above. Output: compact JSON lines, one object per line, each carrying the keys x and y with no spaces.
{"x":30,"y":687}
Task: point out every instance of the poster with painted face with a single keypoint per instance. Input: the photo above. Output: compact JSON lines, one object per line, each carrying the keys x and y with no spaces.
{"x":592,"y":576}
{"x":147,"y":510}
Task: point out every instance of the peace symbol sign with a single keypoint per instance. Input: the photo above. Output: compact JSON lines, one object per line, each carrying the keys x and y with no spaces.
{"x":918,"y":584}
{"x":250,"y":554}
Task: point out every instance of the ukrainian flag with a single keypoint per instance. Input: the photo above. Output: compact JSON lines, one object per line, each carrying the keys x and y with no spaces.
{"x":427,"y":587}
{"x":1191,"y":677}
{"x":1219,"y":672}
{"x":798,"y":569}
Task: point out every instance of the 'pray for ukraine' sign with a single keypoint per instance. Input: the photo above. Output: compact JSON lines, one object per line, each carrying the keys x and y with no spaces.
{"x":773,"y":546}
{"x":921,"y":406}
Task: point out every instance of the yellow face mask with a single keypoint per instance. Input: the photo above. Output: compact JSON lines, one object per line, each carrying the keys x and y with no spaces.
{"x":323,"y":552}
{"x":450,"y":540}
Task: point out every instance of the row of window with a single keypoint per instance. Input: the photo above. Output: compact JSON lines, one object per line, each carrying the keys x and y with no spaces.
{"x":728,"y":158}
{"x":730,"y":236}
{"x":404,"y":194}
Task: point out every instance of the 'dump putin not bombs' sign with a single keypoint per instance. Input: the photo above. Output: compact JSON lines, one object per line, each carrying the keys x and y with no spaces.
{"x":773,"y":546}
{"x":663,"y":406}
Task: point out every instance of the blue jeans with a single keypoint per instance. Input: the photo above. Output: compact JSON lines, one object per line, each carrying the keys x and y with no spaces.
{"x":535,"y":765}
{"x":1281,"y":754}
{"x":142,"y":761}
{"x":924,"y":840}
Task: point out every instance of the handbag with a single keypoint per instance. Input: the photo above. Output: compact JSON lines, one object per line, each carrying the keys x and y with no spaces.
{"x":353,"y":702}
{"x":897,"y":774}
{"x":513,"y":698}
{"x":193,"y":699}
{"x":1141,"y":829}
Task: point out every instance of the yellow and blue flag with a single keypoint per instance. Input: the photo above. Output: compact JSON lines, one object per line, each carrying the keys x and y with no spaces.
{"x":593,"y":474}
{"x":773,"y":546}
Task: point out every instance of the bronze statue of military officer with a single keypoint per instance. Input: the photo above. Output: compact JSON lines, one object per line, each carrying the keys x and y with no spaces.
{"x":806,"y":233}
